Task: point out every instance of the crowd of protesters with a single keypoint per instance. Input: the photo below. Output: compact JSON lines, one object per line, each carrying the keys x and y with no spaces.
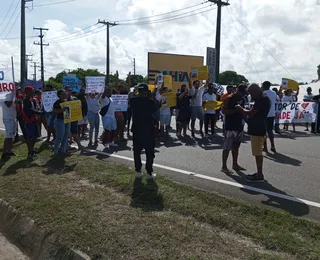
{"x":28,"y":111}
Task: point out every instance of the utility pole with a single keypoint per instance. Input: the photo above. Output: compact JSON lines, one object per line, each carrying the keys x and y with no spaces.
{"x":219,"y":4}
{"x":12,"y":66}
{"x":108,"y":24}
{"x":23,"y":72}
{"x":27,"y":60}
{"x":35,"y":66}
{"x":134,"y":66}
{"x":41,"y":49}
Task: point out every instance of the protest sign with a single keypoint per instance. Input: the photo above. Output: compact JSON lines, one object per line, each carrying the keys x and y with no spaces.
{"x":7,"y":86}
{"x":151,"y":87}
{"x":212,"y":105}
{"x":95,"y":84}
{"x":167,"y":79}
{"x":120,"y":102}
{"x":160,"y":79}
{"x":73,"y":82}
{"x":36,"y":84}
{"x":289,"y":84}
{"x":48,"y":99}
{"x":169,"y":99}
{"x":200,"y":73}
{"x":72,"y":111}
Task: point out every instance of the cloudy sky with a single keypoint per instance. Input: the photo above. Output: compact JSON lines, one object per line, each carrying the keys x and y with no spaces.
{"x":261,"y":39}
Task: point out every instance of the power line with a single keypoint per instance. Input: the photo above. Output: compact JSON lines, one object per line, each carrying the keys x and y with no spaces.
{"x":262,"y":45}
{"x":55,"y":3}
{"x":244,"y":46}
{"x":12,"y":26}
{"x":65,"y":36}
{"x":10,"y":18}
{"x":5,"y":17}
{"x":148,"y":17}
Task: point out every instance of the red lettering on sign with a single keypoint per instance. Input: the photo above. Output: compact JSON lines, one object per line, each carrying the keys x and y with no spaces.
{"x":285,"y":115}
{"x":301,"y":115}
{"x":5,"y":87}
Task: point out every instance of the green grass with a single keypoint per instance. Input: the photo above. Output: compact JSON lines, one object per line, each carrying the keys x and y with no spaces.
{"x":98,"y":207}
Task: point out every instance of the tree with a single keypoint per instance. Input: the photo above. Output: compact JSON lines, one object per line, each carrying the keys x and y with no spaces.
{"x":231,"y":77}
{"x":318,"y":71}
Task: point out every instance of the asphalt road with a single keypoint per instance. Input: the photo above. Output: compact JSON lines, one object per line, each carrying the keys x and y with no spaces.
{"x":292,"y":174}
{"x":10,"y":252}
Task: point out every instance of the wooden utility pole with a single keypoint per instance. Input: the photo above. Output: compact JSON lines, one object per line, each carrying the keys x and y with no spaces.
{"x":108,"y":24}
{"x":219,"y":4}
{"x":41,"y":50}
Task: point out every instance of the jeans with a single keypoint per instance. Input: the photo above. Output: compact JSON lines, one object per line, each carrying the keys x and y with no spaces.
{"x":94,"y":122}
{"x":212,"y":119}
{"x":62,"y":135}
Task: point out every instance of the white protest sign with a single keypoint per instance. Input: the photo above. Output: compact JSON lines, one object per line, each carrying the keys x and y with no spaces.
{"x":48,"y":99}
{"x":7,"y":86}
{"x":120,"y":102}
{"x":95,"y":84}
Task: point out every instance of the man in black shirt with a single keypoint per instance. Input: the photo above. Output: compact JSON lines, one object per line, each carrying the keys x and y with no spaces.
{"x":233,"y":125}
{"x":143,"y":109}
{"x":316,"y":99}
{"x":257,"y":117}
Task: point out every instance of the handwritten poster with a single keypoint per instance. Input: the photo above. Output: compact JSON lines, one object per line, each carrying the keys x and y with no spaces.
{"x":7,"y":87}
{"x":199,"y":73}
{"x":95,"y":84}
{"x":48,"y":99}
{"x":212,"y":105}
{"x":169,"y":99}
{"x":73,"y":82}
{"x":120,"y":102}
{"x":167,"y":79}
{"x":72,"y":111}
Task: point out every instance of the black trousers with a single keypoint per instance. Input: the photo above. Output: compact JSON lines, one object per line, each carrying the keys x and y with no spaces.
{"x":148,"y":144}
{"x":212,"y":119}
{"x":22,"y":126}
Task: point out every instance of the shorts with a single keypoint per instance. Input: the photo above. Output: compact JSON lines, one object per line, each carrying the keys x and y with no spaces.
{"x":32,"y":130}
{"x":270,"y":123}
{"x":257,"y":144}
{"x":74,"y":128}
{"x":84,"y":121}
{"x":109,"y":123}
{"x":10,"y":126}
{"x":233,"y":139}
{"x":50,"y":119}
{"x":197,"y":113}
{"x":165,"y":120}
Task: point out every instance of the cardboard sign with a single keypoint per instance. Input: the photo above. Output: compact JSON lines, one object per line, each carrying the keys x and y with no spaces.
{"x":72,"y":111}
{"x":212,"y":105}
{"x":7,"y":86}
{"x":73,"y":82}
{"x":200,"y":73}
{"x":95,"y":84}
{"x":167,"y":81}
{"x":169,"y":99}
{"x":289,"y":84}
{"x":120,"y":102}
{"x":48,"y":99}
{"x":36,"y":84}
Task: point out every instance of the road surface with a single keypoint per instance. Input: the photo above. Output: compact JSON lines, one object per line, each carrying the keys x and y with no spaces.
{"x":292,"y":174}
{"x":10,"y":252}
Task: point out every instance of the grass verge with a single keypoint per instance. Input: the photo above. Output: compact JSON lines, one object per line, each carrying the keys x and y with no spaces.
{"x":99,"y":208}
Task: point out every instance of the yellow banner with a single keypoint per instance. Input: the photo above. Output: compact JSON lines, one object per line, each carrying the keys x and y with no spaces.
{"x":169,"y":99}
{"x":289,"y":84}
{"x":72,"y":111}
{"x":167,"y":81}
{"x":212,"y":105}
{"x":200,"y":73}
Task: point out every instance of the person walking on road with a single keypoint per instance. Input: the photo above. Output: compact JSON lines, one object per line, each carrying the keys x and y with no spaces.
{"x":257,"y":117}
{"x":209,"y":115}
{"x":233,"y":128}
{"x":271,"y":115}
{"x":143,"y":110}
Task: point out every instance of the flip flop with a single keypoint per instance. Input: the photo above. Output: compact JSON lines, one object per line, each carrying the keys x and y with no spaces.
{"x":226,"y":171}
{"x":238,"y":169}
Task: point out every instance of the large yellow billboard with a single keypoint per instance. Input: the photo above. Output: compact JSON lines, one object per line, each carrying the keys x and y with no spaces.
{"x":178,"y":66}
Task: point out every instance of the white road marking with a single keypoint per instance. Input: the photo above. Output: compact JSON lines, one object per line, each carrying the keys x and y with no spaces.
{"x":205,"y":177}
{"x":230,"y":183}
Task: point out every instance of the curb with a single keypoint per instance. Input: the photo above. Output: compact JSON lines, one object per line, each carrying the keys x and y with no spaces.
{"x":35,"y":241}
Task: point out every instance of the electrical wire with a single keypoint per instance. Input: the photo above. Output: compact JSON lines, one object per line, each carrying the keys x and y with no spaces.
{"x":12,"y":26}
{"x":172,"y":18}
{"x":262,"y":45}
{"x":5,"y":17}
{"x":54,"y":3}
{"x":10,"y":18}
{"x":64,"y":36}
{"x":244,"y":46}
{"x":174,"y":11}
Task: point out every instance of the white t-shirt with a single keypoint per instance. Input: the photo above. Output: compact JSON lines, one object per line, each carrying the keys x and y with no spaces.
{"x":9,"y":112}
{"x":273,"y":98}
{"x":288,"y":99}
{"x":93,"y":104}
{"x":308,"y":97}
{"x":209,"y":97}
{"x":163,"y":111}
{"x":104,"y":102}
{"x":196,"y":102}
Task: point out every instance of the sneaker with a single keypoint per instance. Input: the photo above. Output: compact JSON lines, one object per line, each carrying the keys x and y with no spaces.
{"x":201,"y":133}
{"x":11,"y":154}
{"x":255,"y":178}
{"x":5,"y":156}
{"x":113,"y":144}
{"x":138,"y":175}
{"x":106,"y":146}
{"x":149,"y":177}
{"x":31,"y":155}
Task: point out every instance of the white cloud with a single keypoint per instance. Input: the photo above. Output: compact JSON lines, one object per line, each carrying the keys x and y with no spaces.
{"x":287,"y":29}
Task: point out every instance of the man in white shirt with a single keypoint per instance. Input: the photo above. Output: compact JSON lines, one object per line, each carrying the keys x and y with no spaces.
{"x":197,"y":111}
{"x":165,"y":113}
{"x":307,"y":98}
{"x":109,"y":120}
{"x":271,"y":115}
{"x":9,"y":115}
{"x":209,"y":115}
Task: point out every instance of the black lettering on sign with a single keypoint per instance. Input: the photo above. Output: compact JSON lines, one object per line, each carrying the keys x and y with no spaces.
{"x":1,"y":75}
